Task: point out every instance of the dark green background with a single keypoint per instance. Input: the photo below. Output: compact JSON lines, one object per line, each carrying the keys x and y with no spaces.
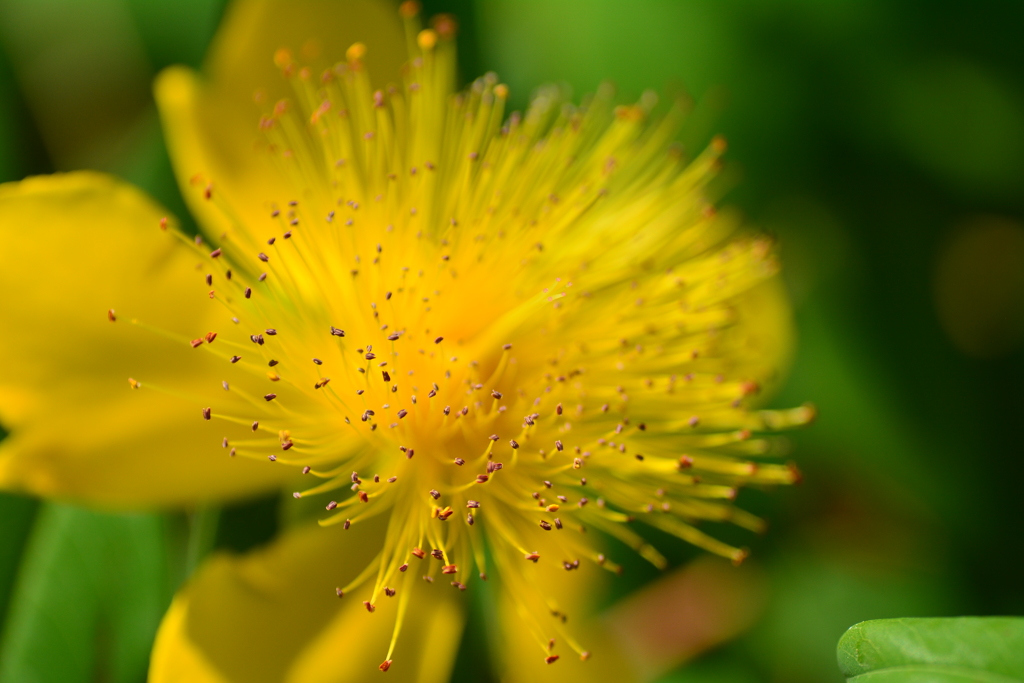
{"x":867,"y":135}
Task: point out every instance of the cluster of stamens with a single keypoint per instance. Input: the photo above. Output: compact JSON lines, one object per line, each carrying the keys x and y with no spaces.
{"x":498,"y":331}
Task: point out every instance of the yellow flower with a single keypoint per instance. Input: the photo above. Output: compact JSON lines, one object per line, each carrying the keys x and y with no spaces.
{"x":476,"y":336}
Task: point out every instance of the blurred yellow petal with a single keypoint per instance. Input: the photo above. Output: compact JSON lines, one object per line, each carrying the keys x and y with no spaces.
{"x":272,"y":616}
{"x":556,"y":593}
{"x":75,"y":247}
{"x":241,"y":59}
{"x":210,"y":121}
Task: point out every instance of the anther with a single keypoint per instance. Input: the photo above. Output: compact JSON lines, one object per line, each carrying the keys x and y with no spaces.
{"x":513,"y":443}
{"x":434,"y":494}
{"x":559,"y":446}
{"x":248,"y":292}
{"x":255,"y":425}
{"x":306,"y":469}
{"x":209,"y":279}
{"x":209,"y":337}
{"x":369,"y":607}
{"x":271,"y":331}
{"x":419,"y":553}
{"x":347,"y":525}
{"x":472,"y":503}
{"x":333,"y":504}
{"x":496,"y":394}
{"x":545,"y":525}
{"x":272,"y":458}
{"x":439,"y":340}
{"x":449,"y":569}
{"x":340,"y":592}
{"x":336,"y":332}
{"x":533,"y":557}
{"x":390,"y":592}
{"x":263,"y":257}
{"x":262,"y":277}
{"x":269,"y":397}
{"x":363,"y":497}
{"x":405,"y":565}
{"x":437,"y":554}
{"x":385,"y":665}
{"x":206,"y":413}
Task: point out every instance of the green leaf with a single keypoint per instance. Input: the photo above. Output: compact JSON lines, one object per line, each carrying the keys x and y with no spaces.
{"x":981,"y":649}
{"x":17,"y":514}
{"x":90,"y":593}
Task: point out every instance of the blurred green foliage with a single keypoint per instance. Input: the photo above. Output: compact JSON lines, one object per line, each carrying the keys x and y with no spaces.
{"x":872,"y":137}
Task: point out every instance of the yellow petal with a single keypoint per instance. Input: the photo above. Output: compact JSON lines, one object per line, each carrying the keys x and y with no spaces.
{"x":272,"y":615}
{"x":75,"y":246}
{"x":317,"y":32}
{"x":574,"y":594}
{"x":210,"y":122}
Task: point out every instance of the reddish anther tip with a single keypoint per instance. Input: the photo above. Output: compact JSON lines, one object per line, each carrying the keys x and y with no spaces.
{"x":419,"y":553}
{"x":386,"y":664}
{"x":409,"y":9}
{"x":210,"y":336}
{"x":533,"y":557}
{"x":369,"y":607}
{"x":551,"y":659}
{"x":449,"y":569}
{"x":270,"y":397}
{"x":216,"y":253}
{"x":163,"y":223}
{"x":206,"y":413}
{"x":110,"y":315}
{"x":340,"y":592}
{"x":439,"y":340}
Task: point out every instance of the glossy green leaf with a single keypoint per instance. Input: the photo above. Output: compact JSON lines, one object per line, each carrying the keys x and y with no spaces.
{"x":90,"y":593}
{"x":981,"y":649}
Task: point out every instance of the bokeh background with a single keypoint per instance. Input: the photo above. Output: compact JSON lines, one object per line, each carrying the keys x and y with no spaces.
{"x":881,"y":141}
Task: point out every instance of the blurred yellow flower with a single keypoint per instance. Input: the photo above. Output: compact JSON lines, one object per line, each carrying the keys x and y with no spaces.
{"x":481,"y":334}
